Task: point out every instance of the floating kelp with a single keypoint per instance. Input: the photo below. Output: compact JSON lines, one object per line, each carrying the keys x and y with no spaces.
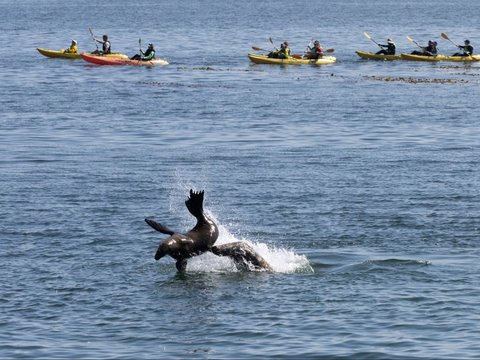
{"x":412,"y":80}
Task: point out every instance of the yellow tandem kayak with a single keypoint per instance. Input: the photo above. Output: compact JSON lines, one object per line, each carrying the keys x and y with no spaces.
{"x":373,"y":56}
{"x":264,"y":59}
{"x":60,"y":54}
{"x":440,"y":58}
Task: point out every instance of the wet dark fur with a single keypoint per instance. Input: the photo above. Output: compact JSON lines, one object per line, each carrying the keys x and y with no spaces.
{"x":244,"y":256}
{"x":195,"y":242}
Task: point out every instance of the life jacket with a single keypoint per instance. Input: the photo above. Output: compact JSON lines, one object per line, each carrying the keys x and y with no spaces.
{"x":72,"y":49}
{"x":149,"y":54}
{"x":431,"y":49}
{"x":107,"y":47}
{"x":468,"y":49}
{"x":391,"y":48}
{"x":285,"y":51}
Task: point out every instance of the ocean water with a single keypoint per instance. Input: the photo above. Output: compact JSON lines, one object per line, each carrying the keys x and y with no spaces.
{"x":359,"y":183}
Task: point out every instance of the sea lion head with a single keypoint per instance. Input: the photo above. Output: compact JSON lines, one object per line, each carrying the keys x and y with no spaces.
{"x":167,"y":247}
{"x":161,"y":252}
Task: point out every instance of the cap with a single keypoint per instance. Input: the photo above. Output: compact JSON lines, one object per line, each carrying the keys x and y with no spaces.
{"x":150,"y":45}
{"x":390,"y":41}
{"x":74,"y":41}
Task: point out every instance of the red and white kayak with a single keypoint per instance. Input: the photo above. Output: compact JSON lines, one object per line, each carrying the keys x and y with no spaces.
{"x":101,"y":60}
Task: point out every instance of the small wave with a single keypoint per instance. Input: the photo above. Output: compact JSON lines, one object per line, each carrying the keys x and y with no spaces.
{"x":376,"y":265}
{"x":171,"y":84}
{"x":399,"y":262}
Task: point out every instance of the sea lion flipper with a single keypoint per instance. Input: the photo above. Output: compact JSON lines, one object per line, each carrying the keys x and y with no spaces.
{"x":195,"y":203}
{"x":159,"y":227}
{"x":181,"y":265}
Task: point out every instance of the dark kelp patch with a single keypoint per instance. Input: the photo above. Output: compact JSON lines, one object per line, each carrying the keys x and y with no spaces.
{"x":413,"y":80}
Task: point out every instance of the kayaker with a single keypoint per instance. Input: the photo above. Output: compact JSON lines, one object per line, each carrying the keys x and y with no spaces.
{"x":145,"y":56}
{"x":467,"y":49}
{"x":282,"y":53}
{"x":73,"y":49}
{"x":429,"y":50}
{"x":106,"y":46}
{"x":315,"y":52}
{"x":388,"y":49}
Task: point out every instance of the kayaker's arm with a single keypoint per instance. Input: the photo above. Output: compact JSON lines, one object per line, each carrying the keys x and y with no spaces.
{"x":99,"y":41}
{"x":149,"y":56}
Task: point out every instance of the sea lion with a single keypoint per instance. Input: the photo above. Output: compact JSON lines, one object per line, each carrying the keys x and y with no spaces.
{"x":195,"y":242}
{"x":244,"y":256}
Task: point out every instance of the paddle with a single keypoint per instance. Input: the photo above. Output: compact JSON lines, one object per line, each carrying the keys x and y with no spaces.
{"x":421,"y":47}
{"x":139,"y":49}
{"x":445,"y":36}
{"x":93,"y":37}
{"x":367,"y":35}
{"x":271,"y":41}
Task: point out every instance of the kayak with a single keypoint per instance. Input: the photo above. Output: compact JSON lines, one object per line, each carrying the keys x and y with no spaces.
{"x":59,"y":54}
{"x":440,"y":58}
{"x":101,"y":60}
{"x":373,"y":56}
{"x":264,"y":59}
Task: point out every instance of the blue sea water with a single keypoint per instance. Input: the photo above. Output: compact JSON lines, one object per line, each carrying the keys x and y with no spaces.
{"x":359,"y":183}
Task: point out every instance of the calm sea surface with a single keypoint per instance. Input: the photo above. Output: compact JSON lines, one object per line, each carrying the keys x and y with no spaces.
{"x":359,"y":182}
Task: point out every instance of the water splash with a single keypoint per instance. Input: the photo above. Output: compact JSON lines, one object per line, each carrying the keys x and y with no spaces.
{"x":280,"y":259}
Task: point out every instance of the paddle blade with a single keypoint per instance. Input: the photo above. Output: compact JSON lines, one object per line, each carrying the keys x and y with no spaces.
{"x":409,"y":39}
{"x":93,"y":37}
{"x":445,"y":36}
{"x":257,"y":48}
{"x":271,"y":41}
{"x":330,"y":50}
{"x":367,"y":36}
